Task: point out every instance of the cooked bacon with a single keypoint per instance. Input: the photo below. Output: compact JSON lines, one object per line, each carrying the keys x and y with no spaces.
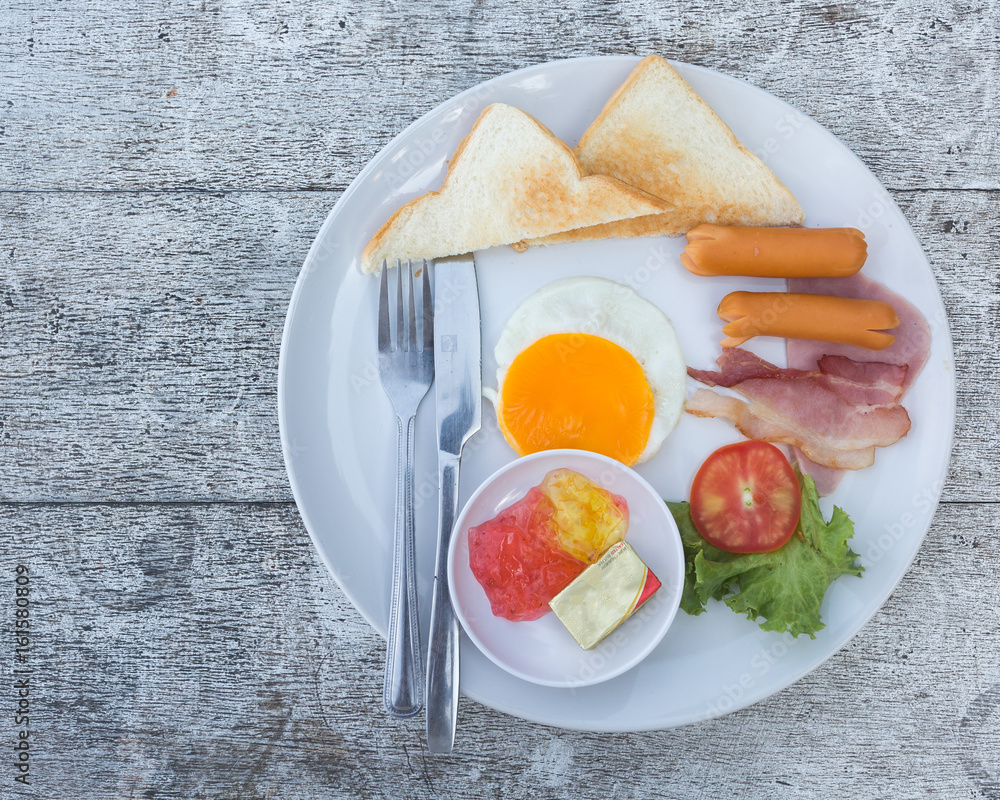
{"x":870,"y":383}
{"x":912,"y":337}
{"x":760,"y":421}
{"x":824,"y":415}
{"x":826,"y":479}
{"x":737,"y":364}
{"x":890,"y":377}
{"x":908,"y":352}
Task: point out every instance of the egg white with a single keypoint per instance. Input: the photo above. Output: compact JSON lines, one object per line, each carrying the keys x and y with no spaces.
{"x":617,"y":313}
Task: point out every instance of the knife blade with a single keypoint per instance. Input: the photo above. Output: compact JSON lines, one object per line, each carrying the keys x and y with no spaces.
{"x":458,"y":388}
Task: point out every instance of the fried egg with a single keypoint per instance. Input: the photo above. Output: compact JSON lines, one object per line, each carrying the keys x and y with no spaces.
{"x":587,"y":363}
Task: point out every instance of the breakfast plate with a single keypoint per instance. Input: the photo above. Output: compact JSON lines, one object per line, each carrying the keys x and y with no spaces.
{"x":338,"y":432}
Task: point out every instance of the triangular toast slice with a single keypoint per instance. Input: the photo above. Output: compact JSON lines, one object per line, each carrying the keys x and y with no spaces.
{"x":510,"y":179}
{"x":657,"y":134}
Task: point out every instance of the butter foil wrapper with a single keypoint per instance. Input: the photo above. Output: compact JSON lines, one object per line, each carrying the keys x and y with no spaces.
{"x":604,"y":595}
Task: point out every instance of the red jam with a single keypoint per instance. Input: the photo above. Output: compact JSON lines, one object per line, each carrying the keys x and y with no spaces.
{"x":533,"y":549}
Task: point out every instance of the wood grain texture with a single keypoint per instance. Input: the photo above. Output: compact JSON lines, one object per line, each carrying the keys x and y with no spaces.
{"x":144,"y":364}
{"x":163,"y":171}
{"x":287,"y":95}
{"x":141,"y":336}
{"x":202,"y":651}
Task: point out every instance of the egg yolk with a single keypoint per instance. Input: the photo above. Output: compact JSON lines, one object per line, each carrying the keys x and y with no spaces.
{"x":580,"y":391}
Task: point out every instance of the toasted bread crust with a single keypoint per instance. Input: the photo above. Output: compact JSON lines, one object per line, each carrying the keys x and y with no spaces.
{"x":549,"y":194}
{"x":640,"y":154}
{"x":633,"y":77}
{"x":368,"y":255}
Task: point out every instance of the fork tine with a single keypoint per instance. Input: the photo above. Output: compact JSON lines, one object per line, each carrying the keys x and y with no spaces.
{"x":411,"y":343}
{"x":428,"y":310}
{"x":383,"y":310}
{"x":399,"y":305}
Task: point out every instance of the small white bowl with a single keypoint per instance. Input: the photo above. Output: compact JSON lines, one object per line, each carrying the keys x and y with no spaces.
{"x":543,"y":651}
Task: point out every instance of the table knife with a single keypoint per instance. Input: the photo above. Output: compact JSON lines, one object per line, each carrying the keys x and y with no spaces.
{"x":458,"y":361}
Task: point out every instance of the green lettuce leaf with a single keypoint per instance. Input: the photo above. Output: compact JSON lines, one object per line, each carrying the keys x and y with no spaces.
{"x":784,"y":588}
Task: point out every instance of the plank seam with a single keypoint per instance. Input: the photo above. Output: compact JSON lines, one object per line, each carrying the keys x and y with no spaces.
{"x":341,"y":189}
{"x":264,"y":503}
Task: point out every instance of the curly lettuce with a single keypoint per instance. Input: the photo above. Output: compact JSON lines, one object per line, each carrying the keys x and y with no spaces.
{"x":782,"y":589}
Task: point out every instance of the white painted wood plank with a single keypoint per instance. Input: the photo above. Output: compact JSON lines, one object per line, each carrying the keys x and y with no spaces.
{"x":141,"y":336}
{"x":288,"y":95}
{"x":201,"y":651}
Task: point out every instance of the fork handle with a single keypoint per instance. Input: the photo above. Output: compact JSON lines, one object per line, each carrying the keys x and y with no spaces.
{"x":403,"y":691}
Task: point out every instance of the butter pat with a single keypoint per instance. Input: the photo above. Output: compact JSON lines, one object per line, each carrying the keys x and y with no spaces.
{"x":604,"y":595}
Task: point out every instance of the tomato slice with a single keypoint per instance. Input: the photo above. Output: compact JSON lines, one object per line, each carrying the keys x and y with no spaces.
{"x":745,"y":498}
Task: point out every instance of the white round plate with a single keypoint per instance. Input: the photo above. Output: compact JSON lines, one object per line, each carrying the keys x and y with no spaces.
{"x":338,"y":431}
{"x":543,"y":651}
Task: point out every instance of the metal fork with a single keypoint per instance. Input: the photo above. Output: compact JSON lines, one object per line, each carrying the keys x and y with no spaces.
{"x":406,"y":372}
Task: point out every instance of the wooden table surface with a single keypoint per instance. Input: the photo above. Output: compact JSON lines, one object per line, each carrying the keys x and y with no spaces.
{"x":164,"y":168}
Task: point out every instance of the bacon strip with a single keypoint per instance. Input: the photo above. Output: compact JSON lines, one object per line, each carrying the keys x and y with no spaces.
{"x":909,"y":351}
{"x":870,"y":383}
{"x":758,"y":421}
{"x":826,"y":416}
{"x":867,"y":383}
{"x":825,"y":478}
{"x":913,"y":335}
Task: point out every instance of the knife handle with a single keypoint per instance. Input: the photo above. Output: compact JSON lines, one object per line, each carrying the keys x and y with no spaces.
{"x":402,"y":692}
{"x":442,"y":655}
